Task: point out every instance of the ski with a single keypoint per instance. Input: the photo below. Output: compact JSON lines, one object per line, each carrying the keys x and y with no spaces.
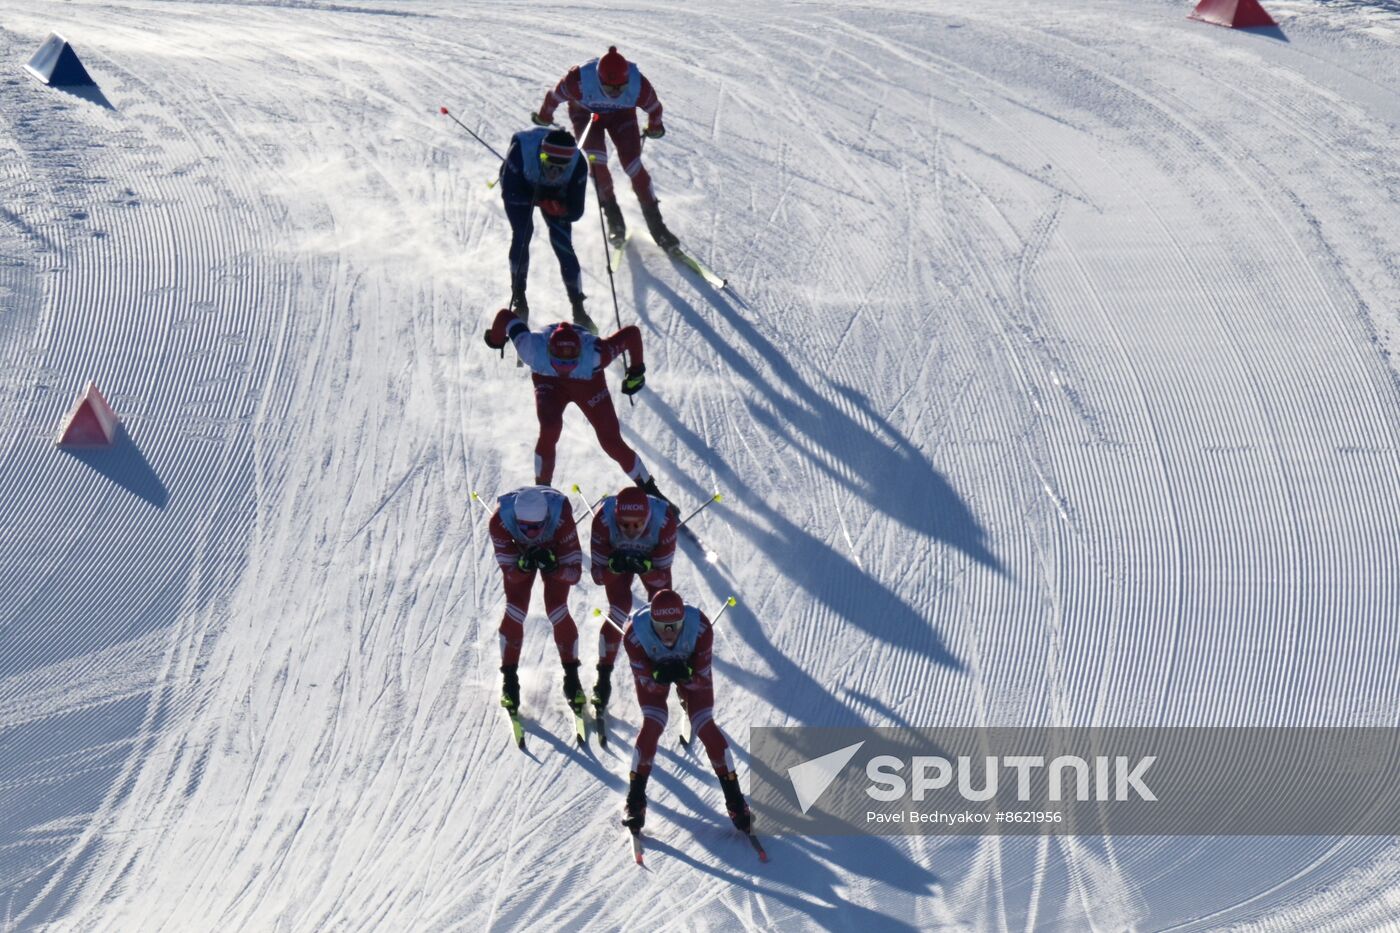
{"x":698,"y":267}
{"x":580,"y":726}
{"x":600,"y":723}
{"x":581,"y":319}
{"x":517,"y":729}
{"x":619,"y":249}
{"x":757,"y":846}
{"x":636,"y":843}
{"x":710,"y":556}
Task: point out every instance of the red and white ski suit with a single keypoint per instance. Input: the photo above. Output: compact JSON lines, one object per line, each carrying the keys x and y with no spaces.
{"x":697,"y":695}
{"x":583,"y":386}
{"x":559,"y":536}
{"x":656,"y":542}
{"x":617,"y":117}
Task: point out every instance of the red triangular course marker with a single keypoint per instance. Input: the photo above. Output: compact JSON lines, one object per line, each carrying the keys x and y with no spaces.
{"x":91,"y":423}
{"x":1238,"y":14}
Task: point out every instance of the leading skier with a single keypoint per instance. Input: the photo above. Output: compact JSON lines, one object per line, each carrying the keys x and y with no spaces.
{"x":612,"y":88}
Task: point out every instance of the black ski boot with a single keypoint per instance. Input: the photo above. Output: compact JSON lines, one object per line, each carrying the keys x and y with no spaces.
{"x":649,"y":487}
{"x":617,"y":227}
{"x":573,"y":690}
{"x":581,"y":318}
{"x":520,"y":306}
{"x":510,"y":688}
{"x":657,"y":227}
{"x":602,"y":690}
{"x":635,"y":809}
{"x":734,"y":802}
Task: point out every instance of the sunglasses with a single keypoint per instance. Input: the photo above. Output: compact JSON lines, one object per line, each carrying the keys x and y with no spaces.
{"x":531,"y":528}
{"x":613,"y":88}
{"x":670,"y":627}
{"x":563,"y":362}
{"x":631,"y":525}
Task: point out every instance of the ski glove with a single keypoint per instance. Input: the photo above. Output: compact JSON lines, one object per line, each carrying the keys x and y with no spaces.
{"x":629,"y":563}
{"x":674,"y":671}
{"x":525,"y":563}
{"x":493,"y":344}
{"x":634,"y":379}
{"x":539,"y":120}
{"x":654,"y":132}
{"x":544,"y":559}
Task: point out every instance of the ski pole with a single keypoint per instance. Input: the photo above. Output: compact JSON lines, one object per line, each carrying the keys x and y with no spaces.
{"x":731,"y":601}
{"x":477,"y":500}
{"x":443,"y":111}
{"x":607,"y":257}
{"x":590,"y":508}
{"x":717,"y":497}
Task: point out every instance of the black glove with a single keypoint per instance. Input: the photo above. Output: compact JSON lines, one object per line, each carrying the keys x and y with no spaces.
{"x":624,"y":562}
{"x":544,"y":559}
{"x":674,"y":671}
{"x":525,"y":563}
{"x":654,"y":132}
{"x":493,"y":344}
{"x":634,"y":379}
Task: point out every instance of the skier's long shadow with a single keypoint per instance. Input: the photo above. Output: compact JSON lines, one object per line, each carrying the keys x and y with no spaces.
{"x":828,"y":576}
{"x":889,"y":466}
{"x":796,"y":863}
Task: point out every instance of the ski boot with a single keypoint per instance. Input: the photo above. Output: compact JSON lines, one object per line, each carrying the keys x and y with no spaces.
{"x":510,"y":688}
{"x":617,"y":227}
{"x":635,"y":809}
{"x":573,"y":690}
{"x":657,"y":227}
{"x":649,"y":487}
{"x":581,"y":318}
{"x":520,"y":306}
{"x":602,"y":690}
{"x":734,"y":802}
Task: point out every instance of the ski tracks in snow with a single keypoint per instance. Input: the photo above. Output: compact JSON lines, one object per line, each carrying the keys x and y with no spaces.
{"x":1055,"y":395}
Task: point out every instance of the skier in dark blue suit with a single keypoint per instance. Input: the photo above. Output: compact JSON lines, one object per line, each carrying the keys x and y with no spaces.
{"x":543,"y":168}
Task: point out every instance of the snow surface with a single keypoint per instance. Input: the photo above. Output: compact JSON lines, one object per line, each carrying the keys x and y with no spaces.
{"x":1055,"y":386}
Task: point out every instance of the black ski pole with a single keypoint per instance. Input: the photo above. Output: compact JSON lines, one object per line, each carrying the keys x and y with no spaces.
{"x":607,"y":257}
{"x":443,"y":111}
{"x":717,"y":497}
